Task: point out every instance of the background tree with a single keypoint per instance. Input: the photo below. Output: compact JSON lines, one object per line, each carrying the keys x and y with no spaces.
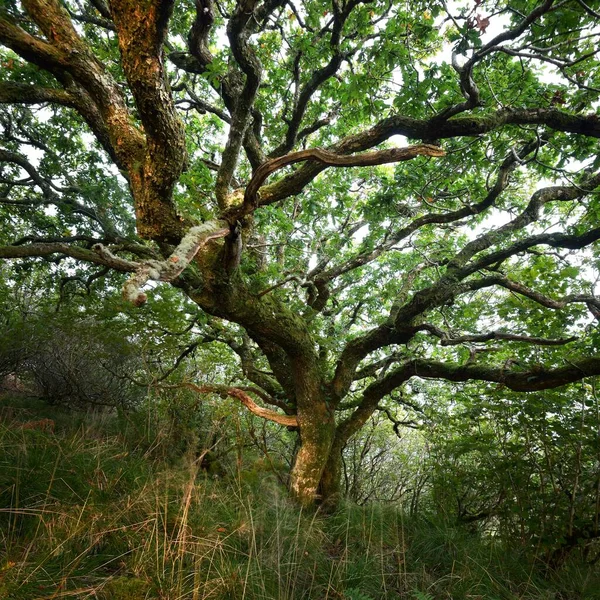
{"x":138,"y":138}
{"x":526,"y":472}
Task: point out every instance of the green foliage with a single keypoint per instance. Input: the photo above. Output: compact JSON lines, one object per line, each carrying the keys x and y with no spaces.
{"x":87,"y":508}
{"x":523,"y":468}
{"x":69,"y":359}
{"x":422,"y":595}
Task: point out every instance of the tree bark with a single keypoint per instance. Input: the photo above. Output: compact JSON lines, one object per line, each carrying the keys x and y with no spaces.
{"x":316,"y":422}
{"x":330,"y":486}
{"x":317,"y":431}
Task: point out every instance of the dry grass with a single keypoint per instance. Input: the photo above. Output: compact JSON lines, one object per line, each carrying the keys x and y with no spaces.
{"x":85,"y":515}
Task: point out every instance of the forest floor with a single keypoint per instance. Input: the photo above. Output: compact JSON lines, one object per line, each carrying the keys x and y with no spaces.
{"x":90,"y":509}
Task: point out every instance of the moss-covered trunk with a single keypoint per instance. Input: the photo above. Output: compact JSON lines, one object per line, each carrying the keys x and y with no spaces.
{"x":326,"y":491}
{"x":316,"y":423}
{"x":330,"y":486}
{"x":316,"y":437}
{"x":287,"y":344}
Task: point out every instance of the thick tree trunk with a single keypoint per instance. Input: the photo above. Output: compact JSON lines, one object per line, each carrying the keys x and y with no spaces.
{"x":317,"y":432}
{"x":316,"y":477}
{"x":330,"y":486}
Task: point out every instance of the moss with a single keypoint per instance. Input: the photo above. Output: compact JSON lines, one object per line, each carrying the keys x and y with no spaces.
{"x":124,"y":588}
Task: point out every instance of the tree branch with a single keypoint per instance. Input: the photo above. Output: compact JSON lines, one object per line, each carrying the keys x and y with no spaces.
{"x":467,"y":84}
{"x":77,"y":252}
{"x":532,"y":380}
{"x":252,"y":194}
{"x":399,"y":328}
{"x":592,"y":302}
{"x":447,"y":339}
{"x":169,"y":269}
{"x":51,"y":197}
{"x":428,"y":130}
{"x":238,"y":33}
{"x":22,"y":93}
{"x":226,"y":87}
{"x":246,"y":400}
{"x":320,"y":76}
{"x":535,"y":379}
{"x":68,"y":58}
{"x":141,"y":31}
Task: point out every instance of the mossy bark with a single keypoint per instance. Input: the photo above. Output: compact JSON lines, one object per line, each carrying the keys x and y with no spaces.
{"x":317,"y":432}
{"x":288,"y":346}
{"x":330,"y":486}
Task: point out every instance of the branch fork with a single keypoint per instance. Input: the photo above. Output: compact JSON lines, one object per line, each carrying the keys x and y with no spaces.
{"x":246,"y":400}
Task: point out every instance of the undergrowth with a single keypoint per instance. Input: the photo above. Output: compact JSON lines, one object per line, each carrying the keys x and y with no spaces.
{"x":93,"y":511}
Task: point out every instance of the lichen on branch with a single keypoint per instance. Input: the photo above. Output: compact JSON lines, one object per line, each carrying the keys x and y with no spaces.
{"x":168,"y":270}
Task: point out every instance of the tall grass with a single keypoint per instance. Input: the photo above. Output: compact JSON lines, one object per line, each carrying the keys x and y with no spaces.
{"x":88,"y":514}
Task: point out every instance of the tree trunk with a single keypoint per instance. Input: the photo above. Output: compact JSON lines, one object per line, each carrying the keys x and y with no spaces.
{"x":317,"y":431}
{"x":330,"y":486}
{"x":316,"y":476}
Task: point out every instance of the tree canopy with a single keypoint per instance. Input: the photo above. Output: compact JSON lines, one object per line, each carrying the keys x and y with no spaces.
{"x":356,"y":194}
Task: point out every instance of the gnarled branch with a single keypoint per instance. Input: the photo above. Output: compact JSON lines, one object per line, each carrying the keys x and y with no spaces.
{"x":330,"y":159}
{"x":246,"y":400}
{"x":448,"y":339}
{"x":172,"y":267}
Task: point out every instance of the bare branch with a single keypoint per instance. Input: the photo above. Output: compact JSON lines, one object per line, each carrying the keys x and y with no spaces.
{"x":22,"y":93}
{"x":268,"y":399}
{"x":238,"y":33}
{"x":77,"y":252}
{"x":246,"y":400}
{"x":327,"y":158}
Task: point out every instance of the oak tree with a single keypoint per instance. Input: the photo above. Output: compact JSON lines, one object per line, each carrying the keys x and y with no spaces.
{"x":357,"y":194}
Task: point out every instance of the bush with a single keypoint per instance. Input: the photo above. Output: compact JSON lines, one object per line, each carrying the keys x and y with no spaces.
{"x":84,"y":364}
{"x":77,"y":363}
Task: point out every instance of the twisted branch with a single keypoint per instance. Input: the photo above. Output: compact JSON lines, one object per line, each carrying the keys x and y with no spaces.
{"x":169,"y":269}
{"x":246,"y":400}
{"x":380,"y":157}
